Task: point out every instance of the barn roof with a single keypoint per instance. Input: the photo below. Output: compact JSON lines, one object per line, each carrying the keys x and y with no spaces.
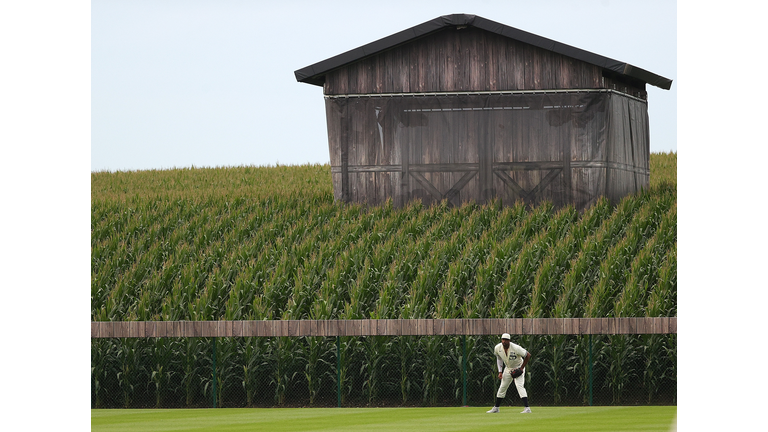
{"x":315,"y":74}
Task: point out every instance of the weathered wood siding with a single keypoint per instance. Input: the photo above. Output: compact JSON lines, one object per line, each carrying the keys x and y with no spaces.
{"x":628,"y":156}
{"x":385,"y":327}
{"x":566,"y":148}
{"x":469,"y":59}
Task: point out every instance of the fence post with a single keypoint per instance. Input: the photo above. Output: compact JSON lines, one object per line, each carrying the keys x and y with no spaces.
{"x":464,"y":368}
{"x":590,"y":370}
{"x":338,"y":371}
{"x":214,"y":372}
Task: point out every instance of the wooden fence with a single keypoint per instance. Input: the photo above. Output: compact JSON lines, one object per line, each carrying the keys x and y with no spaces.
{"x":385,"y":327}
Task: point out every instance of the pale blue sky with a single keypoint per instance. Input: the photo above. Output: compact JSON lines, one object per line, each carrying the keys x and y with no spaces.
{"x":210,"y":83}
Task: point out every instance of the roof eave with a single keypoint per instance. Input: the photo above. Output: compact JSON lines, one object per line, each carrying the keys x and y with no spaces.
{"x":315,"y":73}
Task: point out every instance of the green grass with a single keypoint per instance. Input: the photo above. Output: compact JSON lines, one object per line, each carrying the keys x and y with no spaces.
{"x":593,"y":419}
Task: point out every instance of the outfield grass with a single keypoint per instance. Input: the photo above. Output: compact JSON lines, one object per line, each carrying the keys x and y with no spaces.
{"x":593,"y":419}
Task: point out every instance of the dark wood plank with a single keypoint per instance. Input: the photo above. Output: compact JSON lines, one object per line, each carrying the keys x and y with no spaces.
{"x":106,"y":329}
{"x":331,"y":328}
{"x":448,"y":326}
{"x":316,"y":327}
{"x":527,"y":326}
{"x":397,"y":327}
{"x":379,"y":74}
{"x":595,"y":326}
{"x":455,"y":326}
{"x":605,"y":324}
{"x":538,"y":67}
{"x":538,"y":326}
{"x":150,"y":329}
{"x":665,"y":325}
{"x":225,"y":328}
{"x":438,"y":326}
{"x":128,"y":329}
{"x":183,"y":328}
{"x":413,"y":326}
{"x":353,"y":328}
{"x":121,"y":329}
{"x":656,"y":325}
{"x":237,"y":328}
{"x":255,"y":328}
{"x":496,"y":326}
{"x":560,"y":324}
{"x":487,"y":326}
{"x":547,"y":326}
{"x":506,"y":325}
{"x":641,"y":325}
{"x":305,"y":328}
{"x":161,"y":329}
{"x":584,"y":326}
{"x":384,"y":327}
{"x":430,"y":327}
{"x":632,"y":325}
{"x":142,"y":328}
{"x":208,"y":328}
{"x":461,"y":326}
{"x":270,"y":328}
{"x":164,"y":329}
{"x":475,"y":326}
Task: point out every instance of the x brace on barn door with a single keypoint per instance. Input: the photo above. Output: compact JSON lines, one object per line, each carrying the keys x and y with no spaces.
{"x":452,"y":192}
{"x":517,"y":189}
{"x":499,"y":169}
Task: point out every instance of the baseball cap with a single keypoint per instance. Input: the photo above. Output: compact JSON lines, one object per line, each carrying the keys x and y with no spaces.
{"x":505,"y":336}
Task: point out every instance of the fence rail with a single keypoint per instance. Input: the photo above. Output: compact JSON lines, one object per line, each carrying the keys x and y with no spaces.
{"x":385,"y":327}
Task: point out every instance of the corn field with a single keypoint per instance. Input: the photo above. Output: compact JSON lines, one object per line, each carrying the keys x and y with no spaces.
{"x":249,"y":243}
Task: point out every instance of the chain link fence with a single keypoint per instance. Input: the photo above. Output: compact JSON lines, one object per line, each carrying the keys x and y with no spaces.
{"x":377,"y":371}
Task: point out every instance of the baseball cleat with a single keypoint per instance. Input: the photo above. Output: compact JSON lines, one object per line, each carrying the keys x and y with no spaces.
{"x":526,"y":410}
{"x":493,"y":410}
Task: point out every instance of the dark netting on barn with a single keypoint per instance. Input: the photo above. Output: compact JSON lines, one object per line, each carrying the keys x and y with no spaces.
{"x":562,"y":147}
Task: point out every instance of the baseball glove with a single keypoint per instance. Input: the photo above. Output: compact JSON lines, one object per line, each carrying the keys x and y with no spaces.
{"x":516,"y":373}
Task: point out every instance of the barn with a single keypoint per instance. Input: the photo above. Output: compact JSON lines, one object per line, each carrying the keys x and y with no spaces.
{"x":462,"y":108}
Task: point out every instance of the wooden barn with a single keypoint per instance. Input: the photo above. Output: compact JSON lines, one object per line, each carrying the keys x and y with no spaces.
{"x":462,"y":108}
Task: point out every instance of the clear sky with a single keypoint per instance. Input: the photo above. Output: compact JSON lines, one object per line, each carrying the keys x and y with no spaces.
{"x":179,"y":83}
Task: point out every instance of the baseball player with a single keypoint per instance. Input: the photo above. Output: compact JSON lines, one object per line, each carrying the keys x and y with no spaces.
{"x":514,"y":357}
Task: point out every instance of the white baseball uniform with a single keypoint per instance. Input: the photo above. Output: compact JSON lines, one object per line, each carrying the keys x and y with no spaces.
{"x":512,"y":359}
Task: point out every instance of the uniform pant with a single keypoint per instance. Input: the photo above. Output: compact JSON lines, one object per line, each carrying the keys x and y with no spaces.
{"x":506,"y":380}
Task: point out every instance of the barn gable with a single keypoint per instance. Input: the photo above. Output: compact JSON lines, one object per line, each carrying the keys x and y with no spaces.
{"x":316,"y":74}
